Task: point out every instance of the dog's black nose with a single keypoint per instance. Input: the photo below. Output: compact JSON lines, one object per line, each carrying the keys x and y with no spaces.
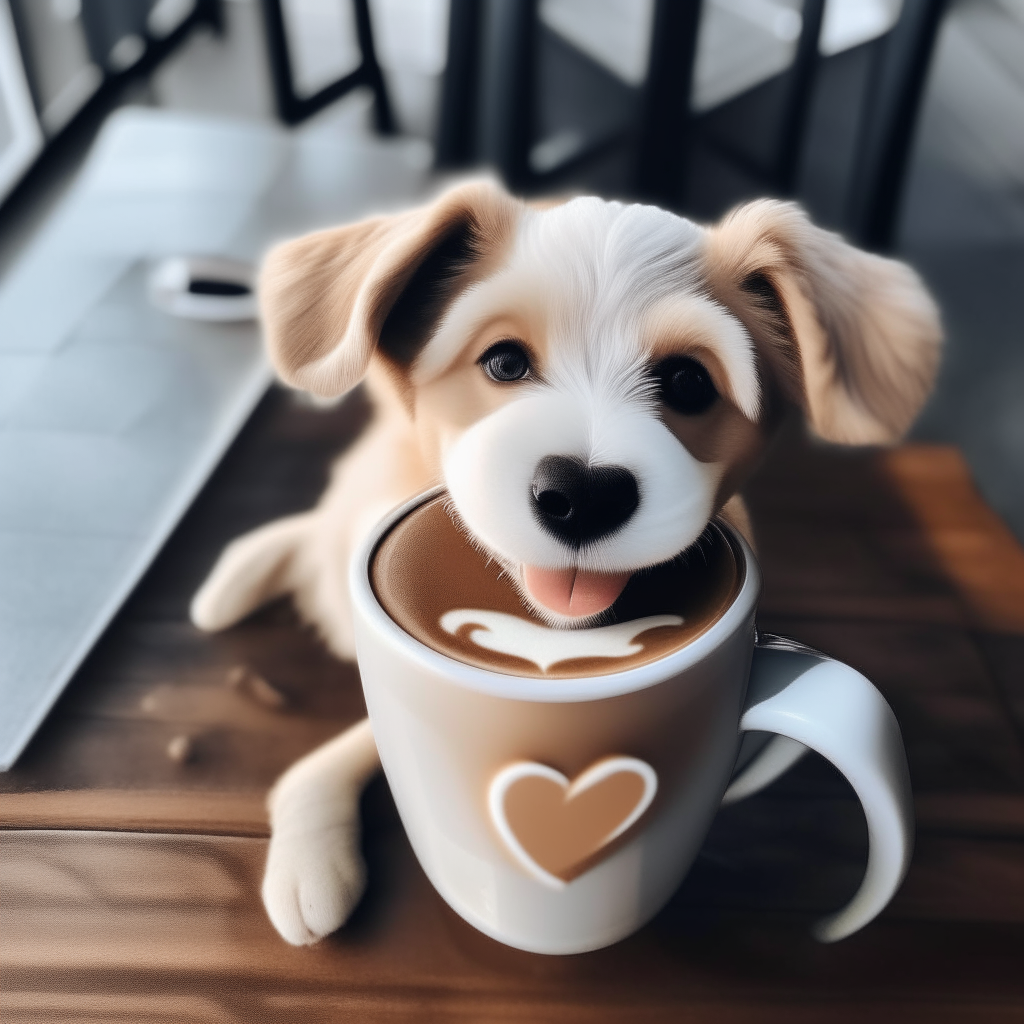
{"x":578,"y":503}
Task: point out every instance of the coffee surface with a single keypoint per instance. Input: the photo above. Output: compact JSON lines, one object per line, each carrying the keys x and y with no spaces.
{"x":442,"y":590}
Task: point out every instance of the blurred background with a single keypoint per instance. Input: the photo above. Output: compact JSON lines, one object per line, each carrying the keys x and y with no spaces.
{"x":900,"y":124}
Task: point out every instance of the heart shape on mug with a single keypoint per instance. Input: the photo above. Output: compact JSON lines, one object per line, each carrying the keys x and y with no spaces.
{"x":557,"y":829}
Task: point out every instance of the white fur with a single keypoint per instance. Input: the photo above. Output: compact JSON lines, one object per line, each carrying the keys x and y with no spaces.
{"x":606,"y":278}
{"x":606,"y":288}
{"x":595,"y":269}
{"x":488,"y":473}
{"x":724,"y":335}
{"x":315,"y":873}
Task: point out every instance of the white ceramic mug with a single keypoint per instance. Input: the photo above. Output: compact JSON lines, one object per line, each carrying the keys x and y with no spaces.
{"x":455,"y":742}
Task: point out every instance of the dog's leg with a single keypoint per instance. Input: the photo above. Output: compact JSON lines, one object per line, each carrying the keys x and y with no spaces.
{"x":315,"y":872}
{"x":251,"y":570}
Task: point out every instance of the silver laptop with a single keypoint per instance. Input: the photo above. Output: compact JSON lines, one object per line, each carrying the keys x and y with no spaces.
{"x":114,"y":406}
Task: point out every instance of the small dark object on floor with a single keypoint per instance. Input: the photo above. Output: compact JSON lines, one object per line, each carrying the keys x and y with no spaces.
{"x":255,"y":687}
{"x":180,"y":749}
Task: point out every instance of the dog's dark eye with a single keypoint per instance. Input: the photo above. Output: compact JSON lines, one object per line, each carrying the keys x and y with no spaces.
{"x":505,"y":362}
{"x":685,"y":385}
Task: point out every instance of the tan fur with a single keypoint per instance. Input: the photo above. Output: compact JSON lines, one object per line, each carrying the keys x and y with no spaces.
{"x":867,"y":335}
{"x":324,"y":297}
{"x":735,"y":513}
{"x":723,"y":435}
{"x":852,"y":338}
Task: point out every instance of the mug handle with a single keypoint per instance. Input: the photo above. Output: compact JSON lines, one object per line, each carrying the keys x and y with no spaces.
{"x":810,"y":701}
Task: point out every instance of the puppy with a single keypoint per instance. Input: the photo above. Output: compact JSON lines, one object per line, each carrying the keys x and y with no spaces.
{"x":592,"y":381}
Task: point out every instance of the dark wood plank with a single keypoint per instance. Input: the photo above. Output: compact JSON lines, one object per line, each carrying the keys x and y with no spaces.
{"x":172,"y":925}
{"x":1004,"y":656}
{"x":129,"y":879}
{"x":975,"y":549}
{"x":139,"y":810}
{"x":149,"y":683}
{"x":958,"y":734}
{"x":901,"y":535}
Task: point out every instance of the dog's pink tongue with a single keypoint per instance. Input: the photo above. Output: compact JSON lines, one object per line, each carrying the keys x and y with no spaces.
{"x":573,"y":592}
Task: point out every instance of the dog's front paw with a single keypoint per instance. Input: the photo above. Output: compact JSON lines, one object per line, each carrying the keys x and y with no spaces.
{"x":313,"y":881}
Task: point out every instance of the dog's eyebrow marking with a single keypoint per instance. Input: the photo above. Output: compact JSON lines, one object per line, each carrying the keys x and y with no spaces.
{"x":701,"y":317}
{"x":544,"y":646}
{"x":496,"y":297}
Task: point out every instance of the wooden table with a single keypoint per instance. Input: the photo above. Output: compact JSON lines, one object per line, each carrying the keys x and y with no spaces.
{"x":130,"y":879}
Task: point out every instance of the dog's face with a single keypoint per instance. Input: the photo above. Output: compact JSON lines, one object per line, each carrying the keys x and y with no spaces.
{"x":590,"y":402}
{"x":594,"y":380}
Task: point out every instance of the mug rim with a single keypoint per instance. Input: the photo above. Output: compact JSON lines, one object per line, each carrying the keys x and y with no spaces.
{"x":574,"y":689}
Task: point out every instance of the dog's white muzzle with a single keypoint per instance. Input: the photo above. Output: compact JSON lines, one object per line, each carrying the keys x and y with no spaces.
{"x":490,"y":470}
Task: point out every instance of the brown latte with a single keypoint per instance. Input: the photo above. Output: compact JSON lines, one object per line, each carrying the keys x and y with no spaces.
{"x":442,"y":590}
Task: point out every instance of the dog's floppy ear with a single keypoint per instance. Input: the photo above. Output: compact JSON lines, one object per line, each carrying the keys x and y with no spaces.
{"x":853,"y":338}
{"x":326,"y":299}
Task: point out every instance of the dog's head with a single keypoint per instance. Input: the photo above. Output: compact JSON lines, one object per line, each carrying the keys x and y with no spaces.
{"x":594,"y":380}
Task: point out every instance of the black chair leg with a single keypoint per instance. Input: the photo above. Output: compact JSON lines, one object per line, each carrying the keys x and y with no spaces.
{"x":798,"y":101}
{"x":660,"y":169}
{"x":384,"y":121}
{"x":456,"y":136}
{"x":889,"y":120}
{"x":508,"y":88}
{"x":294,"y":109}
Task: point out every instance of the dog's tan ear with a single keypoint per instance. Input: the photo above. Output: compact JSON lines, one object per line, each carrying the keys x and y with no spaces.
{"x":327,"y":299}
{"x":852,"y":337}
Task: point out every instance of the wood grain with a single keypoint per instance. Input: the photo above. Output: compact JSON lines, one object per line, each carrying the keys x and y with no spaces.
{"x":129,"y":879}
{"x":971,"y":544}
{"x":157,"y":923}
{"x":139,"y":810}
